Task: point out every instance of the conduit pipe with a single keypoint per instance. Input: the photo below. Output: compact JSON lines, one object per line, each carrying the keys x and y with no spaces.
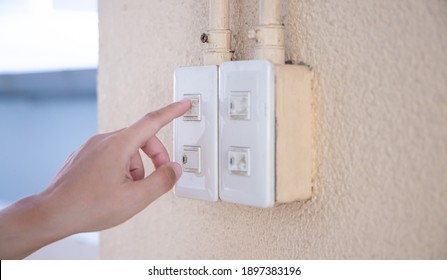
{"x":269,"y":34}
{"x":218,"y":36}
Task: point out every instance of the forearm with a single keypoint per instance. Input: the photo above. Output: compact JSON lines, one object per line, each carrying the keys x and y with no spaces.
{"x":101,"y":185}
{"x":26,"y":226}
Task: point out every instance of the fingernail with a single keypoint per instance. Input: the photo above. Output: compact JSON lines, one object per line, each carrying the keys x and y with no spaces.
{"x":177,"y":169}
{"x":185,"y":100}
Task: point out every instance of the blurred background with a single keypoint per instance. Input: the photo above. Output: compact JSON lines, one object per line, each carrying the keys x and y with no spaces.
{"x":48,"y":62}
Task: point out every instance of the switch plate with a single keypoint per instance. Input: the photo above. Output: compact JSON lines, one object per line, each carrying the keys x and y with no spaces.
{"x":265,"y":129}
{"x":251,"y":84}
{"x":195,"y":134}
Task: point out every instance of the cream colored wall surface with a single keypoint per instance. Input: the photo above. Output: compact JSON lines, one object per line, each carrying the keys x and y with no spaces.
{"x":380,"y":176}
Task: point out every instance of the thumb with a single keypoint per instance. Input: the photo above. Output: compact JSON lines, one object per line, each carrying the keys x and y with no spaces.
{"x":157,"y":183}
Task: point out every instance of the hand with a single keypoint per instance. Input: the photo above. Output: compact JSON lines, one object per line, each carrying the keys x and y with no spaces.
{"x":100,"y":186}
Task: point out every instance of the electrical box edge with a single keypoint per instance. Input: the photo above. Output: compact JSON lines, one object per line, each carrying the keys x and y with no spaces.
{"x":293,"y":129}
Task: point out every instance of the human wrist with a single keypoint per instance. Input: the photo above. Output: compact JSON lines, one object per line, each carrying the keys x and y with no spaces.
{"x":31,"y":226}
{"x":49,"y":219}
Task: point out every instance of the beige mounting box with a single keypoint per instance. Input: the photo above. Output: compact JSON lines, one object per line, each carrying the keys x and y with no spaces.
{"x":293,"y":133}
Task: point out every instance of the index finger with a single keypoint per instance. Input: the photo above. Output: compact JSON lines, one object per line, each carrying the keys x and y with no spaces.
{"x":140,"y":132}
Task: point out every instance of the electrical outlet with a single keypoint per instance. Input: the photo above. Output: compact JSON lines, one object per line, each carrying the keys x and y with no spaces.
{"x":195,"y":134}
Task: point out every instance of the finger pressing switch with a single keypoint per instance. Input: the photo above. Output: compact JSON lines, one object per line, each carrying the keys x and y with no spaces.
{"x":193,"y":113}
{"x":191,"y":159}
{"x":239,"y":160}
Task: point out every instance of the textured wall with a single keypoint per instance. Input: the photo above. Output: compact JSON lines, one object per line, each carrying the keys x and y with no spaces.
{"x":380,"y":178}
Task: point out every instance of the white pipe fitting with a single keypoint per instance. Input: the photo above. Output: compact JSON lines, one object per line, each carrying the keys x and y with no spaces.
{"x":219,"y":34}
{"x":269,"y":34}
{"x":269,"y":12}
{"x":219,"y":14}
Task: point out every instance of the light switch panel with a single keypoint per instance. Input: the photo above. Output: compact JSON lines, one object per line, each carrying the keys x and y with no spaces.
{"x":247,"y":138}
{"x":247,"y":132}
{"x":195,"y":134}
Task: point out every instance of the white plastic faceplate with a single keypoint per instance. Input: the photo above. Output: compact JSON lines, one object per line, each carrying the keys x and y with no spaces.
{"x":247,"y":133}
{"x":195,"y":134}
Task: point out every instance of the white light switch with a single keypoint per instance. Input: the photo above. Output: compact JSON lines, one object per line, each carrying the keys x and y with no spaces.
{"x":239,"y":107}
{"x":193,"y":114}
{"x":195,"y":134}
{"x":239,"y":161}
{"x":191,"y":159}
{"x":247,"y":133}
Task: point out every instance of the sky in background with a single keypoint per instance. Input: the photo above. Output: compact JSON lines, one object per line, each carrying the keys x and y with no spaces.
{"x":47,"y":35}
{"x":38,"y":131}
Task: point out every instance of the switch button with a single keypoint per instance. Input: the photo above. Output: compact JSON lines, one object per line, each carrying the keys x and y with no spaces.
{"x":191,"y":159}
{"x":239,"y":106}
{"x":193,"y":114}
{"x":239,"y":161}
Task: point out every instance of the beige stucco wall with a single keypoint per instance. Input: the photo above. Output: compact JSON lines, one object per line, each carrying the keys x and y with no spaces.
{"x":380,"y":178}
